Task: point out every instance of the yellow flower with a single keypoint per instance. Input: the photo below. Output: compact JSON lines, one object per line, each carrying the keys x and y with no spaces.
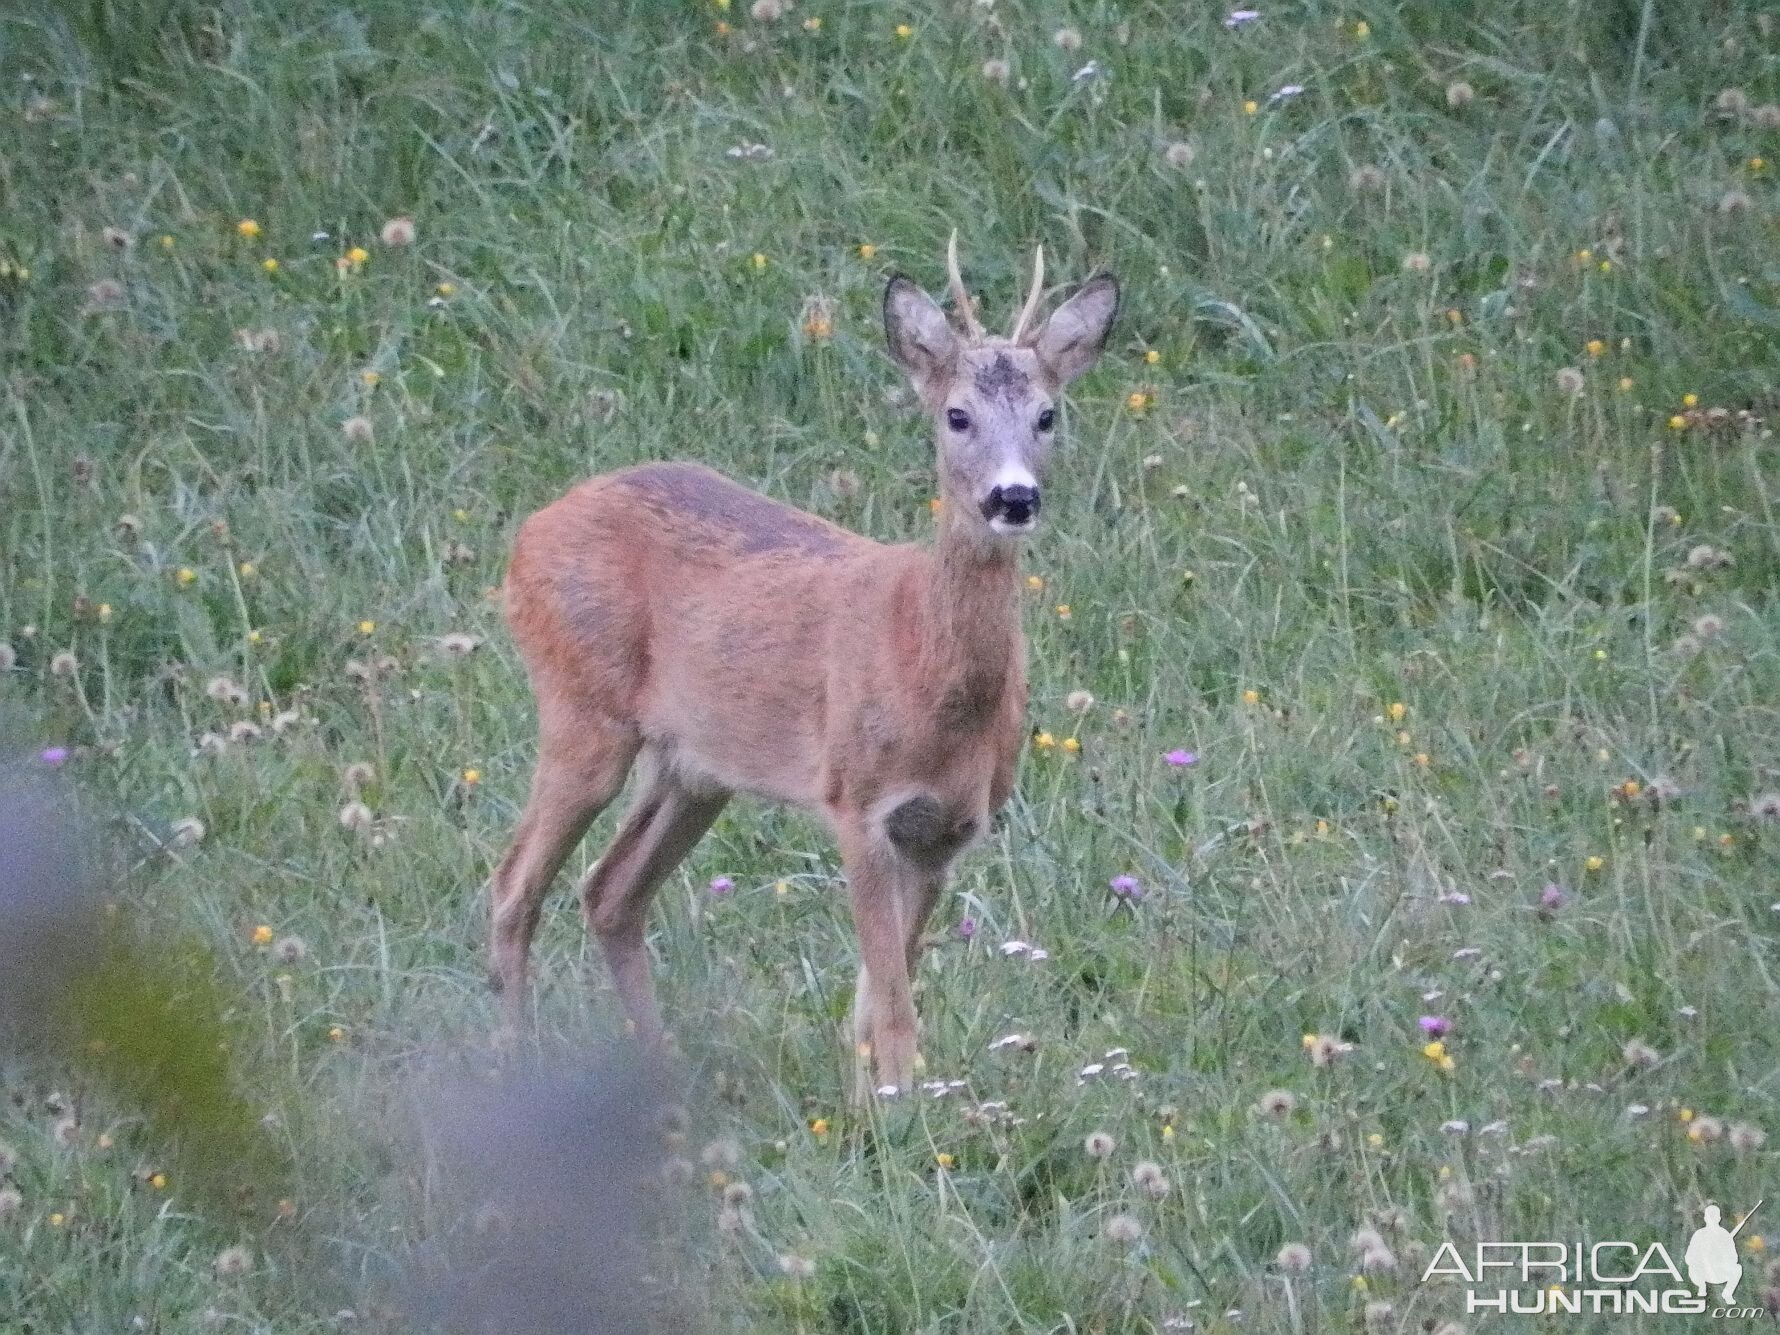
{"x":57,"y":1219}
{"x":1595,"y":862}
{"x":1690,"y":400}
{"x":269,"y":264}
{"x":366,"y":627}
{"x":1606,"y":266}
{"x":1044,"y":741}
{"x":1036,"y":583}
{"x":1152,"y":357}
{"x":819,"y":1127}
{"x":1251,"y":697}
{"x":461,"y":515}
{"x":1375,"y":1140}
{"x":371,"y":379}
{"x":1420,"y":758}
{"x":1308,"y":1041}
{"x":247,"y":570}
{"x":1756,"y":1243}
{"x":781,"y":888}
{"x":1625,"y":384}
{"x":1358,"y":1284}
{"x":472,"y":777}
{"x":1063,"y":612}
{"x":336,"y":1034}
{"x":1448,"y":1065}
{"x":1584,"y":256}
{"x":1398,"y":711}
{"x":1168,"y":1132}
{"x":248,"y":228}
{"x":1071,"y":745}
{"x":166,"y":243}
{"x":446,"y":289}
{"x":1594,"y":347}
{"x":723,"y":29}
{"x":1434,"y":1051}
{"x":158,"y":1181}
{"x":104,"y":612}
{"x":262,"y":935}
{"x":185,"y":575}
{"x":1137,"y":400}
{"x":1677,"y":423}
{"x":812,"y":24}
{"x":1684,"y":1115}
{"x":868,"y":251}
{"x":1631,"y":788}
{"x":759,"y":262}
{"x":254,"y":637}
{"x":1756,"y":164}
{"x":1250,"y":107}
{"x":904,"y":32}
{"x":358,"y":255}
{"x":944,"y":1160}
{"x":1362,"y":30}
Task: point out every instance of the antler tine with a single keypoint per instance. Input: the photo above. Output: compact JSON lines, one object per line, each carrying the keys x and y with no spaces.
{"x":1031,"y":307}
{"x":960,"y":298}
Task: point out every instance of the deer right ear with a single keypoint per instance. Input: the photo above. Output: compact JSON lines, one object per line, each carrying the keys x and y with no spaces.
{"x":920,"y":339}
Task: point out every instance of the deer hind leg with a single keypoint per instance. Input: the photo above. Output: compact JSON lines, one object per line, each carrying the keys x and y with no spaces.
{"x":659,"y":830}
{"x":580,"y":771}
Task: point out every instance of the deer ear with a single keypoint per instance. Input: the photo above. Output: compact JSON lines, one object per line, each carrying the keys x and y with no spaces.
{"x":920,"y":340}
{"x":1071,"y":341}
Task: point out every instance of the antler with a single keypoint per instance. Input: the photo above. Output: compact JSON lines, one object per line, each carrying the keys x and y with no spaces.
{"x":1038,"y":282}
{"x":961,"y":298}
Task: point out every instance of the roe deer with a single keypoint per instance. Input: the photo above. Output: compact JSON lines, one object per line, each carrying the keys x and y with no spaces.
{"x":738,"y":644}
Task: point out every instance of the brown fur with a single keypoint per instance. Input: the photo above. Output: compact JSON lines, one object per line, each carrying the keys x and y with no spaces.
{"x":738,"y":644}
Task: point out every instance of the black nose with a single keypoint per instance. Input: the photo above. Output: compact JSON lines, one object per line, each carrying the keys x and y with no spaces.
{"x":1017,"y":504}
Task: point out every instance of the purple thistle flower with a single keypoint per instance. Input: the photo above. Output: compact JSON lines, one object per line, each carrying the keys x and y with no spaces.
{"x":1126,"y":887}
{"x":1552,"y":898}
{"x":1435,"y":1026}
{"x":721,"y":885}
{"x":1180,"y":759}
{"x":54,"y":755}
{"x":967,"y":928}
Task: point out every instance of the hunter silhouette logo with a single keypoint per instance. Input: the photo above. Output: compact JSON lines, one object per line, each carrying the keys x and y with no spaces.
{"x":1712,"y":1254}
{"x":1557,"y":1278}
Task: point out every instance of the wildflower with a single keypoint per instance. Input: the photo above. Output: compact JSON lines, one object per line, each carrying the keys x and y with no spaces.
{"x":819,"y":1127}
{"x":904,"y":32}
{"x":1078,"y":702}
{"x":1569,"y":380}
{"x":797,"y":1268}
{"x":1180,"y":759}
{"x":1067,"y":39}
{"x":185,"y":832}
{"x":1251,"y":697}
{"x":1366,"y":177}
{"x":1099,"y":1145}
{"x":232,"y":1262}
{"x":1137,"y":401}
{"x":1552,"y":898}
{"x":248,"y":228}
{"x":996,"y":71}
{"x":1708,"y":626}
{"x":1435,"y":1026}
{"x":1044,"y":741}
{"x":943,"y":1160}
{"x":1124,"y":1229}
{"x":1277,"y":1104}
{"x":357,"y":775}
{"x":1294,"y":1258}
{"x":262,"y":935}
{"x":1745,"y":1139}
{"x":1625,"y":384}
{"x":1071,"y":745}
{"x":1126,"y":888}
{"x":471,"y":777}
{"x":459,"y":645}
{"x":57,"y":1219}
{"x":358,"y":430}
{"x":1677,"y":423}
{"x":1377,"y":1315}
{"x":1417,"y":261}
{"x":868,"y":251}
{"x":967,"y":928}
{"x":184,"y":576}
{"x":1064,"y":612}
{"x":1324,"y":1050}
{"x":1362,"y":30}
{"x":1733,"y":201}
{"x":357,"y":255}
{"x":813,"y":23}
{"x":759,"y":262}
{"x":63,"y":664}
{"x":1434,"y":1051}
{"x":367,"y":627}
{"x":356,"y":816}
{"x":1766,"y":805}
{"x":1148,"y":1177}
{"x":1640,"y":1054}
{"x":1706,"y":557}
{"x":1459,"y":95}
{"x":1250,"y":107}
{"x":1595,"y":862}
{"x":1703,"y":1130}
{"x":1690,"y":400}
{"x":158,"y":1181}
{"x":737,"y":1193}
{"x":1152,"y":357}
{"x":289,"y":950}
{"x":226,"y":690}
{"x":721,"y":885}
{"x":1731,"y":102}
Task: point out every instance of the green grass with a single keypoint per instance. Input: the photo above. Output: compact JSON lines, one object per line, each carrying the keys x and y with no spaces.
{"x":1357,"y":482}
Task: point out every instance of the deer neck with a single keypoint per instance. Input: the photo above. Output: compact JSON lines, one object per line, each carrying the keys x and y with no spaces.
{"x":970,"y":622}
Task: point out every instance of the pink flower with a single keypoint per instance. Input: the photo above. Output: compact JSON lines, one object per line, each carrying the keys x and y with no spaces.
{"x":1126,"y":887}
{"x":1552,"y":898}
{"x":1435,"y":1026}
{"x":967,"y":928}
{"x":1180,"y":759}
{"x":721,"y":885}
{"x":54,"y":755}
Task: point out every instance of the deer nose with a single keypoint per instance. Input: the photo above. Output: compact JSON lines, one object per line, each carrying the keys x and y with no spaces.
{"x":1016,"y":503}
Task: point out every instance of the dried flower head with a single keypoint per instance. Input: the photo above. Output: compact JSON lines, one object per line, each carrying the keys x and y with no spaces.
{"x":1277,"y":1104}
{"x":1324,"y":1050}
{"x":357,"y":817}
{"x":1078,"y":702}
{"x":232,"y":1262}
{"x":398,"y":232}
{"x":1366,"y":178}
{"x":1766,"y":805}
{"x":1124,"y":1229}
{"x":289,"y":950}
{"x":797,"y":1268}
{"x":766,"y":11}
{"x":1731,"y":102}
{"x":459,"y":645}
{"x":737,"y":1193}
{"x":1569,"y":380}
{"x":226,"y":690}
{"x":357,"y":429}
{"x":1379,"y":1314}
{"x":1149,"y":1178}
{"x":1417,"y":261}
{"x":1179,"y":155}
{"x":65,"y":1132}
{"x":1707,"y":557}
{"x":1766,"y":116}
{"x":1067,"y":39}
{"x":1640,"y":1054}
{"x":1745,"y":1138}
{"x":185,"y":832}
{"x":1099,"y":1145}
{"x":1294,"y":1258}
{"x":63,"y":664}
{"x":1733,"y":202}
{"x":105,"y":295}
{"x":996,"y":71}
{"x":356,"y":775}
{"x":1708,"y":626}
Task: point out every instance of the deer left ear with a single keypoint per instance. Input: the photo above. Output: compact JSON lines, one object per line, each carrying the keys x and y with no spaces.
{"x":916,"y":330}
{"x":1071,"y":341}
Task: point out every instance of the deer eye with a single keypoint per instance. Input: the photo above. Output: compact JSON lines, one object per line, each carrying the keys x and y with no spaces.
{"x":1047,"y":419}
{"x":957,"y":419}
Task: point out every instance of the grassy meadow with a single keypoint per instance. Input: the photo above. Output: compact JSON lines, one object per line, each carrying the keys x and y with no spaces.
{"x":1403,"y":626}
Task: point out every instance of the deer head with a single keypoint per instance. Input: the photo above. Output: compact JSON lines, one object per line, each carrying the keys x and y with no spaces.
{"x":993,"y":399}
